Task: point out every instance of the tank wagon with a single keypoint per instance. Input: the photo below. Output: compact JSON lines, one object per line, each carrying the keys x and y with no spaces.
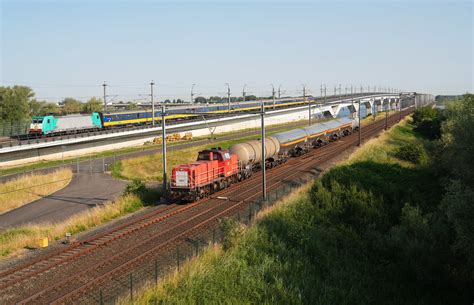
{"x":216,"y":169}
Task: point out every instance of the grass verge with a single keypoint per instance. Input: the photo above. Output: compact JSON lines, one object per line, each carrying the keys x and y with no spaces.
{"x":26,"y":189}
{"x":369,"y":232}
{"x":15,"y":240}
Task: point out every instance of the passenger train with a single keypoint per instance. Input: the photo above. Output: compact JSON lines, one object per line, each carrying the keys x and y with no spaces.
{"x":50,"y":125}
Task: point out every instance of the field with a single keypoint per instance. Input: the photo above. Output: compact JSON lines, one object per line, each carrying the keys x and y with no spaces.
{"x":29,"y":188}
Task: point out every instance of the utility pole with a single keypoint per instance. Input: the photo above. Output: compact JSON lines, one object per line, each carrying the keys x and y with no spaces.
{"x":105,"y":96}
{"x":352,"y":98}
{"x":273,"y":95}
{"x":243,"y":92}
{"x":339,"y":89}
{"x":152,"y":104}
{"x":309,"y":105}
{"x":279,"y":92}
{"x":360,"y":126}
{"x":192,"y":93}
{"x":400,"y":107}
{"x":264,"y":177}
{"x":228,"y":96}
{"x":361,"y":89}
{"x":325,"y":89}
{"x":163,"y":147}
{"x":335,"y":88}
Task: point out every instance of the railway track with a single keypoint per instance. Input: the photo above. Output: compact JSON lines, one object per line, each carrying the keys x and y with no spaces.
{"x":65,"y":275}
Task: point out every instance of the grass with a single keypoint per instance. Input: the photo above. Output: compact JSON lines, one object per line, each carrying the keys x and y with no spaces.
{"x":383,"y":148}
{"x":14,"y":241}
{"x":368,"y":232}
{"x":29,"y":188}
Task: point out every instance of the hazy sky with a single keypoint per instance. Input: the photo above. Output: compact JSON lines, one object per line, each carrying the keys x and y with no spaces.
{"x":68,"y":48}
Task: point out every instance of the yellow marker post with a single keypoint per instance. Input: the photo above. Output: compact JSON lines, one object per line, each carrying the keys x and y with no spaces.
{"x":43,"y":242}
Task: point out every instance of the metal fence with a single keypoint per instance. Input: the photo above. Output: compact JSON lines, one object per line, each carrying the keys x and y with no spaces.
{"x":13,"y":128}
{"x":127,"y":286}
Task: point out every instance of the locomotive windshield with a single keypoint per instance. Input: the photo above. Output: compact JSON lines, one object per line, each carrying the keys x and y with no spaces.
{"x":37,"y":120}
{"x":203,"y":155}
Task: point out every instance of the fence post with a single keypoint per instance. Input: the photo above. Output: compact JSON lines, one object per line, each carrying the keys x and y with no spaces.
{"x":156,"y":272}
{"x":250,"y":212}
{"x":101,"y":298}
{"x":177,"y":257}
{"x":103,"y":164}
{"x":131,"y":287}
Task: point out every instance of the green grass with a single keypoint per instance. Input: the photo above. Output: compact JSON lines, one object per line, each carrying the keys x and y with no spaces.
{"x":369,"y":232}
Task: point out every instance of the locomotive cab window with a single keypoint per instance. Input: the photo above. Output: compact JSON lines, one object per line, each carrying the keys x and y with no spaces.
{"x":226,"y":156}
{"x":204,"y":155}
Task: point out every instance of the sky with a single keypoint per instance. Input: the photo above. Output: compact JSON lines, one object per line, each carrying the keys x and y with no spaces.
{"x":69,"y":48}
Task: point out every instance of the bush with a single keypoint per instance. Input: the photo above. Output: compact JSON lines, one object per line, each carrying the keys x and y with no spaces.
{"x":414,"y":153}
{"x":136,"y":187}
{"x":428,"y":121}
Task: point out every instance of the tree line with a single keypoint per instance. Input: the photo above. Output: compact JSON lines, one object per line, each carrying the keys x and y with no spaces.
{"x":18,"y":103}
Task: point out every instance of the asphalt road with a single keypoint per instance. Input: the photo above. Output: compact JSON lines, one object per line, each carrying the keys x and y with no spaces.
{"x":84,"y":192}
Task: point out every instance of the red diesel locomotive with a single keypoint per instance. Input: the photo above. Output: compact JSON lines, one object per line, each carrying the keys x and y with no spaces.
{"x":213,"y":170}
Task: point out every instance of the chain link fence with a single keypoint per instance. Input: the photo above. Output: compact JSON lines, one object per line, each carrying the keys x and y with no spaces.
{"x":14,"y":128}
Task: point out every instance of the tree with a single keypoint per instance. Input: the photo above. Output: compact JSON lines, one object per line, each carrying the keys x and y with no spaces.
{"x":14,"y":103}
{"x":93,"y":105}
{"x":200,"y":100}
{"x":131,"y":106}
{"x":35,"y":107}
{"x":49,"y":108}
{"x":71,"y":105}
{"x":39,"y":108}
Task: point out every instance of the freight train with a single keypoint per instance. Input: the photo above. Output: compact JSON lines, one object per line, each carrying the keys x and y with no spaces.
{"x":216,"y":168}
{"x":50,"y":125}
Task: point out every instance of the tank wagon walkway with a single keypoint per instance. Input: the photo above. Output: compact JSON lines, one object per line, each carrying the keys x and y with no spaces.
{"x":84,"y":192}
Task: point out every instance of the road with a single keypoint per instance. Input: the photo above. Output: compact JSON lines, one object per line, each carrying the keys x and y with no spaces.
{"x":84,"y":192}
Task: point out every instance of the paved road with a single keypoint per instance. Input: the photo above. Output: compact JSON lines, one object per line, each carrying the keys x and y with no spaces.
{"x":84,"y":192}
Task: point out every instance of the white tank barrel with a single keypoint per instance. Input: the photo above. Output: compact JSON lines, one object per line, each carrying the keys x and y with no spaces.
{"x":251,"y":151}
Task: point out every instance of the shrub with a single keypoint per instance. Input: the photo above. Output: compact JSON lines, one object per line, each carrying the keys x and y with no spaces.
{"x":414,"y":153}
{"x":136,"y":187}
{"x":428,"y":121}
